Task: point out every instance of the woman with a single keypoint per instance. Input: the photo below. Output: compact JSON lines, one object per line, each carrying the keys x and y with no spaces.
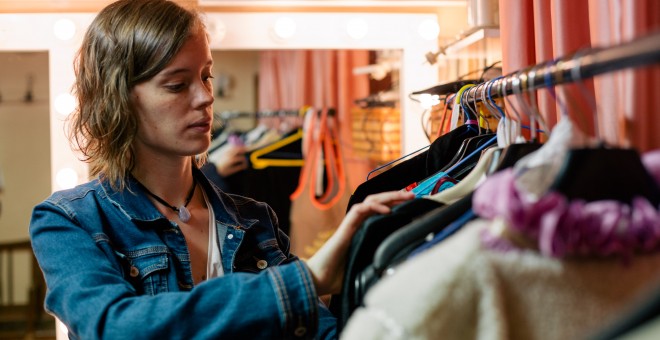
{"x":149,"y":248}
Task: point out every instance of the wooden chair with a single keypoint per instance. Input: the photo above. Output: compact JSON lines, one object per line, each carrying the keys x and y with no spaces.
{"x":26,"y":320}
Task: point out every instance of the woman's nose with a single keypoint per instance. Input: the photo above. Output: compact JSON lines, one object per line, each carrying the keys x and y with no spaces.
{"x":204,"y":95}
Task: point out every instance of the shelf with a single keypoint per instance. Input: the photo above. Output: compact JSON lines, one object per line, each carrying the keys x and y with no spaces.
{"x":470,"y":39}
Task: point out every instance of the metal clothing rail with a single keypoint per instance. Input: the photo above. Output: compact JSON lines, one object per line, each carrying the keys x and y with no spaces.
{"x":580,"y":65}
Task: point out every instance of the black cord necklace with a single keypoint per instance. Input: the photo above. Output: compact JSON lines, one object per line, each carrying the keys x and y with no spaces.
{"x":184,"y":213}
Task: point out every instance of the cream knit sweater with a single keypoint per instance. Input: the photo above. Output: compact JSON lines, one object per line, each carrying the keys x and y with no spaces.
{"x":459,"y":290}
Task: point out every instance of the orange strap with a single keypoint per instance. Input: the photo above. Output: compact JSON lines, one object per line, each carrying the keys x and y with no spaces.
{"x":325,"y":141}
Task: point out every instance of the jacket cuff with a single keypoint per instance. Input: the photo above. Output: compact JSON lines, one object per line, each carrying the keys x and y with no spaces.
{"x":297,"y":300}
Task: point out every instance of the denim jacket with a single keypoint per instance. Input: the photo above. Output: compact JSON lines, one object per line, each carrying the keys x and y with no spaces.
{"x":116,"y":268}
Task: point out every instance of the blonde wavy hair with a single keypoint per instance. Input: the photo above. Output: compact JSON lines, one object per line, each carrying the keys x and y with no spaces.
{"x":128,"y":42}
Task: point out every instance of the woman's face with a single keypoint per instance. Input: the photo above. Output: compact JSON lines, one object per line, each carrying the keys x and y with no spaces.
{"x":175,"y":108}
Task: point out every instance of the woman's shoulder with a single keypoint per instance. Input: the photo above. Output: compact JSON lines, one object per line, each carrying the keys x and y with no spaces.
{"x":76,"y":193}
{"x":79,"y":202}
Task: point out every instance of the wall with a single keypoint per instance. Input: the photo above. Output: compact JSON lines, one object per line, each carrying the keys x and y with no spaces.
{"x":24,"y":151}
{"x":242,"y":68}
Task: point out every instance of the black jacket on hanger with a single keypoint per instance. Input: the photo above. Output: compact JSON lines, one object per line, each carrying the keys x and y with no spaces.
{"x":385,"y":240}
{"x":363,"y":247}
{"x":438,"y":155}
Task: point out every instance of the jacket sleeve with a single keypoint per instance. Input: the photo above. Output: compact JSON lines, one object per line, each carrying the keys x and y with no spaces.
{"x":89,"y":294}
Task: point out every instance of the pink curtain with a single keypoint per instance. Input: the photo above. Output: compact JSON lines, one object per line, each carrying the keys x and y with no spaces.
{"x":291,"y":79}
{"x":626,"y":100}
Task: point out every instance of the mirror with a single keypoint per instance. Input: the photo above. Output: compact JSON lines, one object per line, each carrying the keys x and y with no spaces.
{"x":237,"y":78}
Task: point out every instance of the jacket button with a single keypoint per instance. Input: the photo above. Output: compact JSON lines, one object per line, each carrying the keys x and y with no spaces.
{"x":230,"y":236}
{"x":134,"y":271}
{"x":262,"y":264}
{"x":300,"y":331}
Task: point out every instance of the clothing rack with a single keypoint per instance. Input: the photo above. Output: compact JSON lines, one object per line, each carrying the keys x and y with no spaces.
{"x":580,"y":65}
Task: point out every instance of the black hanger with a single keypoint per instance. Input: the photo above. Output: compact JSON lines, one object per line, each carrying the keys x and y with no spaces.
{"x":601,"y":173}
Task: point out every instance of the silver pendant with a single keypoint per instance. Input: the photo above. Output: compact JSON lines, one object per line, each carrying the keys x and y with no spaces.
{"x":184,"y":214}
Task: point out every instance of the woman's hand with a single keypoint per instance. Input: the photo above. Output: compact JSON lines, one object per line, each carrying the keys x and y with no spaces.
{"x":229,"y":159}
{"x":327,"y":264}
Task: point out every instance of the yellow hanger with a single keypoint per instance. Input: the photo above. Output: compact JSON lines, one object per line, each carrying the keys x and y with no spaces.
{"x":260,"y":163}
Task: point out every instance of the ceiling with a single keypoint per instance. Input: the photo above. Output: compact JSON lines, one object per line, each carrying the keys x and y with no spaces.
{"x":55,"y":6}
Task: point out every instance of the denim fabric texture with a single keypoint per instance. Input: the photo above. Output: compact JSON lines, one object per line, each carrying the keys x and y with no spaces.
{"x":116,"y":268}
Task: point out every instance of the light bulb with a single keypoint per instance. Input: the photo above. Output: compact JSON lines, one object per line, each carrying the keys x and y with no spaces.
{"x":429,"y":29}
{"x":428,"y":100}
{"x":66,"y":178}
{"x":65,"y":104}
{"x":285,"y":27}
{"x":357,"y":28}
{"x":64,"y":29}
{"x":217,"y":30}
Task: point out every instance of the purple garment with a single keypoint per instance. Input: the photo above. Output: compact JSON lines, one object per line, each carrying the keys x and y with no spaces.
{"x":651,"y":161}
{"x":559,"y":227}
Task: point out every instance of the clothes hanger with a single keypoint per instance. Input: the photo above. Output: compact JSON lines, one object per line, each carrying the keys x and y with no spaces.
{"x":466,"y":159}
{"x":533,"y":106}
{"x":490,"y":157}
{"x":259,"y":162}
{"x":471,"y":143}
{"x":476,"y":175}
{"x":444,"y":120}
{"x":470,"y":155}
{"x":457,"y":171}
{"x":515,"y":151}
{"x":469,"y":183}
{"x":458,"y":163}
{"x":258,"y":157}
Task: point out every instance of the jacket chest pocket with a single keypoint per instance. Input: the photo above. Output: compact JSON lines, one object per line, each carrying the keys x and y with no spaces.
{"x":265,"y":255}
{"x":147,"y":270}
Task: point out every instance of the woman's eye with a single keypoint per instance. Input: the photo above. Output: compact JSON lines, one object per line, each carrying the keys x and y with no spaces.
{"x":175,"y":87}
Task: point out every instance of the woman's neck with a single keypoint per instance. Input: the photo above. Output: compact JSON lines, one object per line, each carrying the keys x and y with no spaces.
{"x":169,"y":180}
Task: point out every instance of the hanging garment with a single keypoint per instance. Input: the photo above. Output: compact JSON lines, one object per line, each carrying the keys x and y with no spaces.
{"x":274,"y":184}
{"x":269,"y":184}
{"x":462,"y":163}
{"x":417,"y":168}
{"x":460,"y":290}
{"x":362,"y":249}
{"x":314,"y":217}
{"x":524,"y":270}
